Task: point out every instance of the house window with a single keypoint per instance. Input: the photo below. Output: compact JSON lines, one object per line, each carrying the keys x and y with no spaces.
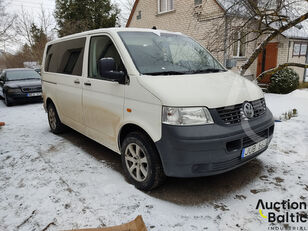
{"x":198,"y":2}
{"x":239,"y":46}
{"x":139,"y":15}
{"x":165,"y":5}
{"x":300,"y":49}
{"x":306,"y":75}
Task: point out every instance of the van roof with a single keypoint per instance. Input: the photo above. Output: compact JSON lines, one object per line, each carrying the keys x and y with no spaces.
{"x":112,"y":29}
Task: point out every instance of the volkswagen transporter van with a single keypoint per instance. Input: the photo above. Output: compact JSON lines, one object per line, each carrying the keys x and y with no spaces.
{"x":159,"y":99}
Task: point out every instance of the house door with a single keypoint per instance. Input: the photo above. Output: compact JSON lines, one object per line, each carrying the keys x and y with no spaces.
{"x":267,"y":60}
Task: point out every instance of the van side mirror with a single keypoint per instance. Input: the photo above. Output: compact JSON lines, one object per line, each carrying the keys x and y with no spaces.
{"x":107,"y":69}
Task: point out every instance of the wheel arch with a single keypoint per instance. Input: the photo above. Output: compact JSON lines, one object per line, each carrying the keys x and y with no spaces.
{"x":131,"y":127}
{"x":49,"y":100}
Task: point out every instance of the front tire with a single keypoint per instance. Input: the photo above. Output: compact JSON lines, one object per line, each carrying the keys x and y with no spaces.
{"x":6,"y":100}
{"x":55,"y":124}
{"x":141,"y":162}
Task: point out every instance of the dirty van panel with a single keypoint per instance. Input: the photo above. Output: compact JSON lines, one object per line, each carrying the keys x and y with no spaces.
{"x":65,"y":60}
{"x":103,"y":99}
{"x":103,"y":112}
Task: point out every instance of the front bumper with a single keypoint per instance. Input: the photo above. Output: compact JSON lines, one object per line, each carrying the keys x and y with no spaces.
{"x":193,"y":151}
{"x":22,"y":97}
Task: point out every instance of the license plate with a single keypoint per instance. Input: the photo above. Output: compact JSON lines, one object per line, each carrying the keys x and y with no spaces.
{"x":34,"y":94}
{"x":254,"y":148}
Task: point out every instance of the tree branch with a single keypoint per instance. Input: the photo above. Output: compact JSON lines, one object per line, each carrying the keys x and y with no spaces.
{"x":261,"y":47}
{"x":280,"y":67}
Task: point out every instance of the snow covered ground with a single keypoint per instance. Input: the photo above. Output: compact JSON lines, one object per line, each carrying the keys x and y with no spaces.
{"x":69,"y":181}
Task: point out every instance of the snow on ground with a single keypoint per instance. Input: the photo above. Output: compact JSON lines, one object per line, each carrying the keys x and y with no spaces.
{"x":69,"y":181}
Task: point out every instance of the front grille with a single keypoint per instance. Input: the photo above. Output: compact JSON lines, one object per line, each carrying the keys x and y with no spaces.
{"x":249,"y":139}
{"x":230,"y":115}
{"x":259,"y":107}
{"x":31,"y":89}
{"x":255,"y":138}
{"x":234,"y":114}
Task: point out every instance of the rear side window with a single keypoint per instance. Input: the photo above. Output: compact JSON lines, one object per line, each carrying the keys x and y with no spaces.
{"x":66,"y":57}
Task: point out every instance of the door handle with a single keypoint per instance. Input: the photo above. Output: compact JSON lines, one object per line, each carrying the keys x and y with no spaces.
{"x":87,"y":84}
{"x":77,"y":81}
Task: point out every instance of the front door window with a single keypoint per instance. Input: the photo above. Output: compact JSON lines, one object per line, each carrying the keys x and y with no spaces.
{"x":102,"y":47}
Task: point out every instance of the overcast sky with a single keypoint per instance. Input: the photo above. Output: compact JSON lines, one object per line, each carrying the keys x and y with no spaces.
{"x":33,"y":7}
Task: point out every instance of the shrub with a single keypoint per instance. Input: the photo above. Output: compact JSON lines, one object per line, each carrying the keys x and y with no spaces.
{"x":284,"y":81}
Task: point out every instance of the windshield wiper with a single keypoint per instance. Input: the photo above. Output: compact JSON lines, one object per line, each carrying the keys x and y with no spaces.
{"x":166,"y":73}
{"x":209,"y":70}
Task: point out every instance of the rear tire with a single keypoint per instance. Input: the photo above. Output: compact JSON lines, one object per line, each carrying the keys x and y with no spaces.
{"x":55,"y":124}
{"x":141,"y":162}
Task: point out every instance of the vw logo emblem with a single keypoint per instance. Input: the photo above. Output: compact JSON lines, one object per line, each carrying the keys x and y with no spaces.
{"x":248,"y":110}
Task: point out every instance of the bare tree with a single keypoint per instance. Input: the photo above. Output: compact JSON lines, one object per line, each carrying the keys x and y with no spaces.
{"x":47,"y":22}
{"x":272,"y":19}
{"x":253,"y":22}
{"x":126,"y":7}
{"x":23,"y":25}
{"x":33,"y":32}
{"x":6,"y":23}
{"x":280,"y":67}
{"x":25,"y":22}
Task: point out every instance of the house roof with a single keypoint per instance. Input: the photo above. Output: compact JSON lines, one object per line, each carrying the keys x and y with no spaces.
{"x":300,"y":32}
{"x":225,"y":4}
{"x":297,"y":32}
{"x":132,"y":13}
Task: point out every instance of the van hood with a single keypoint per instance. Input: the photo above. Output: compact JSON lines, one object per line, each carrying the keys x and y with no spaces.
{"x":212,"y":90}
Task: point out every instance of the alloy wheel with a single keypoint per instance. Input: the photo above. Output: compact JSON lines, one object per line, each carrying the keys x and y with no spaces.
{"x":136,"y":162}
{"x":52,"y":118}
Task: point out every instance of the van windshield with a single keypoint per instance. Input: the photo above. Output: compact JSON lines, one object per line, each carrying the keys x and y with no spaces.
{"x":168,"y":54}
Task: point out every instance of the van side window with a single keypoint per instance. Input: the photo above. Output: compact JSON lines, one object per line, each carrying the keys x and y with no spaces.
{"x":48,"y":59}
{"x":102,"y":47}
{"x":72,"y":61}
{"x":66,"y":57}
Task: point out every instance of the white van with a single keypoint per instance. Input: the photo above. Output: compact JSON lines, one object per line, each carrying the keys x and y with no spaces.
{"x":157,"y":98}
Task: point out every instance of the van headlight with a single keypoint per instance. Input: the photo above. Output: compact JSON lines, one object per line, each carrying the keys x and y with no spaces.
{"x":186,"y":116}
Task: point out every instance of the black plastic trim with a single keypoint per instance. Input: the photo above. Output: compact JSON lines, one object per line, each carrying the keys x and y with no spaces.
{"x":182,"y":148}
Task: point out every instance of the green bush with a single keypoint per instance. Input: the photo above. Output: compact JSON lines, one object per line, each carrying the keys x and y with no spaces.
{"x":284,"y":81}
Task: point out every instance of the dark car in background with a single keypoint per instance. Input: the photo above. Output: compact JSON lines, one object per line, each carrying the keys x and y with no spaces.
{"x":20,"y":85}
